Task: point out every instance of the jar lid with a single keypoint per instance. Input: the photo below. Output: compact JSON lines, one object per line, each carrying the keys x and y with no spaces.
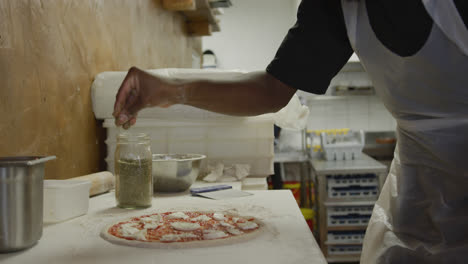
{"x":133,"y":137}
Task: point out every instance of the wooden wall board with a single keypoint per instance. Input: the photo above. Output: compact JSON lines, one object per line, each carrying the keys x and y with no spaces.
{"x":50,"y":52}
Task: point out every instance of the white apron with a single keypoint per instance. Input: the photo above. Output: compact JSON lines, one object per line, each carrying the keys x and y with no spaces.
{"x":421,"y":215}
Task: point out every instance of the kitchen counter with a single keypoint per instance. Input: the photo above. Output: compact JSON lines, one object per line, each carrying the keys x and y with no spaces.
{"x":287,"y":238}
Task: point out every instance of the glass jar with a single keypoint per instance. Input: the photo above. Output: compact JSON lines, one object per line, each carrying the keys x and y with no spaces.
{"x":133,"y":171}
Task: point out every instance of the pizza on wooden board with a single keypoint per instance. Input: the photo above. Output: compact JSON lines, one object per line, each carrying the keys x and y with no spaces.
{"x":183,"y":229}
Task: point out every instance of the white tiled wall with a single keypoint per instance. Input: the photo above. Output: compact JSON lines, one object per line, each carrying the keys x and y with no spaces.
{"x":355,"y":112}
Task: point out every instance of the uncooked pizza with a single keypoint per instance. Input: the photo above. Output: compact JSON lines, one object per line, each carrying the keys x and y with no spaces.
{"x":183,"y":229}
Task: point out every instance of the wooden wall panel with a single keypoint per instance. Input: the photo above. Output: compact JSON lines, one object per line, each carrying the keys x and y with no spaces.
{"x":50,"y":52}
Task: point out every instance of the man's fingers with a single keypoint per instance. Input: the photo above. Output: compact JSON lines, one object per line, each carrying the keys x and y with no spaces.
{"x":128,"y":100}
{"x":132,"y":121}
{"x":129,"y":123}
{"x":126,"y":87}
{"x":122,"y":119}
{"x":128,"y":115}
{"x":121,"y":97}
{"x":165,"y":105}
{"x":126,"y":125}
{"x":130,"y":109}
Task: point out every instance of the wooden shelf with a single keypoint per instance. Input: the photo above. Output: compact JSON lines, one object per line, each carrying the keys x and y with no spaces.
{"x":202,"y":13}
{"x":198,"y":29}
{"x":201,"y":20}
{"x":179,"y":5}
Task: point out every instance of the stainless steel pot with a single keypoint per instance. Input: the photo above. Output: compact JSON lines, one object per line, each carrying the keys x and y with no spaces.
{"x":175,"y":172}
{"x":21,"y":201}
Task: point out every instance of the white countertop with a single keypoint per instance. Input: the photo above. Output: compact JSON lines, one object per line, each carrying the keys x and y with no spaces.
{"x":286,"y":239}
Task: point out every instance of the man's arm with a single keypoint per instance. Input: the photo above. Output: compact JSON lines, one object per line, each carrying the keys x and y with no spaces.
{"x":247,"y":95}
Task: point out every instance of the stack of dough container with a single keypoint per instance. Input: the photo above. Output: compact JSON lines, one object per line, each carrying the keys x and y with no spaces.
{"x":183,"y":129}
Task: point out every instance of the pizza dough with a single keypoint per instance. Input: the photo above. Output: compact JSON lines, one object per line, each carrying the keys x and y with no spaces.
{"x":183,"y":230}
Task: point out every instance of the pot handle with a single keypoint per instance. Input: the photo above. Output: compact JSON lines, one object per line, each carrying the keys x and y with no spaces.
{"x":41,"y":160}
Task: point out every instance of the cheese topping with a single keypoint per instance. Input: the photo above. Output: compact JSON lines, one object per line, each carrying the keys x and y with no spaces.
{"x":140,"y":235}
{"x":184,"y":226}
{"x":234,"y":231}
{"x":201,"y":218}
{"x":247,"y":225}
{"x":178,"y":215}
{"x":155,"y":217}
{"x":225,"y":224}
{"x":176,"y":237}
{"x":129,"y":230}
{"x":214,"y":234}
{"x":235,"y":219}
{"x":151,"y":225}
{"x":218,"y":216}
{"x":151,"y":222}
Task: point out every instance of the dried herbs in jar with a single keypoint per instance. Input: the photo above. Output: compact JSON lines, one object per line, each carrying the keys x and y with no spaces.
{"x":133,"y":171}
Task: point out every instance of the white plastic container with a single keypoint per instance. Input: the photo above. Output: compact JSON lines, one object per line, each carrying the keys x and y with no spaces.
{"x":349,"y":215}
{"x":344,"y":250}
{"x":345,"y":237}
{"x":353,"y":186}
{"x":65,"y":199}
{"x":348,"y":149}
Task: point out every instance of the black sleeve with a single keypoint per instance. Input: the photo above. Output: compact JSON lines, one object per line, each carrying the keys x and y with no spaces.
{"x":315,"y":48}
{"x":462,"y":7}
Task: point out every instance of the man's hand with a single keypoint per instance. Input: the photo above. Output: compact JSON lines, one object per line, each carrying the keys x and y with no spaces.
{"x":140,"y":90}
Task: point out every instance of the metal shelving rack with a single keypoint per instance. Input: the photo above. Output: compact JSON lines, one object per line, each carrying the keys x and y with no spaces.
{"x":320,"y":169}
{"x":300,"y":156}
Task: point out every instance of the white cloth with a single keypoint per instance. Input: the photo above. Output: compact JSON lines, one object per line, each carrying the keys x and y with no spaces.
{"x":421,"y":215}
{"x":221,"y":173}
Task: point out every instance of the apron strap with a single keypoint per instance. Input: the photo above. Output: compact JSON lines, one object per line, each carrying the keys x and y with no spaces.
{"x":350,"y":12}
{"x":445,"y":14}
